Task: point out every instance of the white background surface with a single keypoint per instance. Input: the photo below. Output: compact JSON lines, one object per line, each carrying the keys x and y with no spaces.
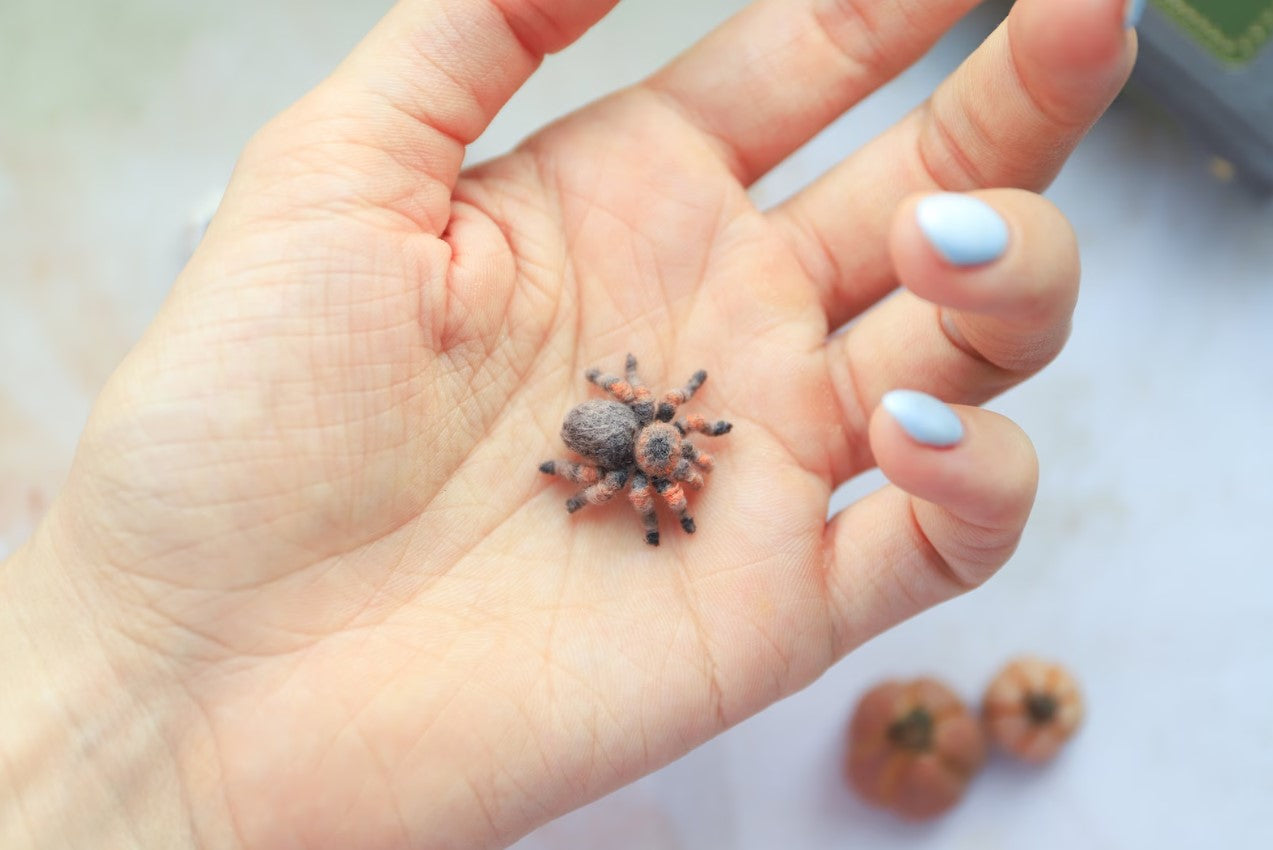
{"x":1146,"y":567}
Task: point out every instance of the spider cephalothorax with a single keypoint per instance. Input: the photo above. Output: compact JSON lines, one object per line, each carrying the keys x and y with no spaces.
{"x":630,"y":442}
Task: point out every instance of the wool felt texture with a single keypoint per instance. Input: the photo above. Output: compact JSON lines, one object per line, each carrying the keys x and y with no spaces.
{"x":603,"y":431}
{"x":621,"y":444}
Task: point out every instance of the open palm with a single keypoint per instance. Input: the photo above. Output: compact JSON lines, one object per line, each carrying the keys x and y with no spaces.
{"x":312,"y":489}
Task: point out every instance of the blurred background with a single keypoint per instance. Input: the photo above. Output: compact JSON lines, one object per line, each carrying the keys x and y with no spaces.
{"x":1145,"y":569}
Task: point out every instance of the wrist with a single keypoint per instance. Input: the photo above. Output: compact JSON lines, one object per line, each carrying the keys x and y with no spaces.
{"x":94,"y":735}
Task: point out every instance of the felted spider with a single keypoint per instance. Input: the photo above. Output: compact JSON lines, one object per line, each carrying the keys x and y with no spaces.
{"x":629,"y":442}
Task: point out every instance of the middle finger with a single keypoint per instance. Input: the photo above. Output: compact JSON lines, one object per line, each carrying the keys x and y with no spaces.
{"x":771,"y":77}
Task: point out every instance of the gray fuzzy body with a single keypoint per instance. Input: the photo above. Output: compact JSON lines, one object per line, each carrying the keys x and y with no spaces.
{"x":602,"y":431}
{"x":629,"y":442}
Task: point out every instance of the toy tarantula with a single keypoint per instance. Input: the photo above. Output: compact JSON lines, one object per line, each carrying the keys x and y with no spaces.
{"x":622,"y":443}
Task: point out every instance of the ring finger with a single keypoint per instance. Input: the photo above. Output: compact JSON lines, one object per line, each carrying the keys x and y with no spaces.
{"x":990,"y":282}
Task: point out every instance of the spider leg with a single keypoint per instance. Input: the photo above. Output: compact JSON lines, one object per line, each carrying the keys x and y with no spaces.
{"x":612,"y":384}
{"x":675,"y":398}
{"x":702,"y":426}
{"x":686,"y":472}
{"x":700,"y":459}
{"x":643,"y":501}
{"x":675,"y":498}
{"x":571,"y":471}
{"x":603,"y":491}
{"x":631,"y":392}
{"x":631,"y":367}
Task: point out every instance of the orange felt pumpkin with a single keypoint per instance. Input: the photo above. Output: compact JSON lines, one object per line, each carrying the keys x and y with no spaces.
{"x":1032,"y":708}
{"x":913,"y":747}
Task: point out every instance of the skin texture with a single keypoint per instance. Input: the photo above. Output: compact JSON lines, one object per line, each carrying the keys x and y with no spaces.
{"x":913,"y":748}
{"x":304,"y":589}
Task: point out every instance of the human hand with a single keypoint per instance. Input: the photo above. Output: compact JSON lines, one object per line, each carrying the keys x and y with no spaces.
{"x":326,"y":593}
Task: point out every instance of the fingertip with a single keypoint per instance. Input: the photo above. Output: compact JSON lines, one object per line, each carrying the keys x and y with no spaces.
{"x":988,"y":477}
{"x":1132,"y":12}
{"x":1020,"y":255}
{"x":1067,"y":47}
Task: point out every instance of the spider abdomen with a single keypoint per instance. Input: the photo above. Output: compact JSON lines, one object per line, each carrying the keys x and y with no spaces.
{"x":602,"y":431}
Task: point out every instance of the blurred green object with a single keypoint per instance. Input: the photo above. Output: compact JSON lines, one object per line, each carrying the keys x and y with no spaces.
{"x":1209,"y":63}
{"x":1234,"y":30}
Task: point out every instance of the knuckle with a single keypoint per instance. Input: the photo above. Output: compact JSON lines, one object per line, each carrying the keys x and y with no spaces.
{"x":963,"y":556}
{"x":978,"y":560}
{"x":853,"y":29}
{"x":950,"y":149}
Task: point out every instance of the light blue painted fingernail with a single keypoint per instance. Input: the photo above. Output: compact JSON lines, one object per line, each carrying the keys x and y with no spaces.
{"x":1132,"y":10}
{"x":964,"y":230}
{"x":924,"y":418}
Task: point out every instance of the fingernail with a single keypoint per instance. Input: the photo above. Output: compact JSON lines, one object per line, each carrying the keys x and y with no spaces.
{"x":1132,"y":10}
{"x":925,"y":419}
{"x":964,"y":230}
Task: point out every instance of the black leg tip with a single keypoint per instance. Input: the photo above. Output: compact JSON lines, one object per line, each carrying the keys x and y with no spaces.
{"x":572,"y":506}
{"x":652,"y":537}
{"x":592,"y":374}
{"x":723,"y":428}
{"x":687,"y":523}
{"x":631,"y":361}
{"x":548,"y":467}
{"x":666,"y":412}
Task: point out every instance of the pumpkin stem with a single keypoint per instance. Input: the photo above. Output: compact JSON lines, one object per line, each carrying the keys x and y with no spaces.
{"x":1041,"y":708}
{"x":914,"y":731}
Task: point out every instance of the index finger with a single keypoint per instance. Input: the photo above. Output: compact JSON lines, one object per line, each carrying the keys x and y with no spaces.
{"x":428,"y":79}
